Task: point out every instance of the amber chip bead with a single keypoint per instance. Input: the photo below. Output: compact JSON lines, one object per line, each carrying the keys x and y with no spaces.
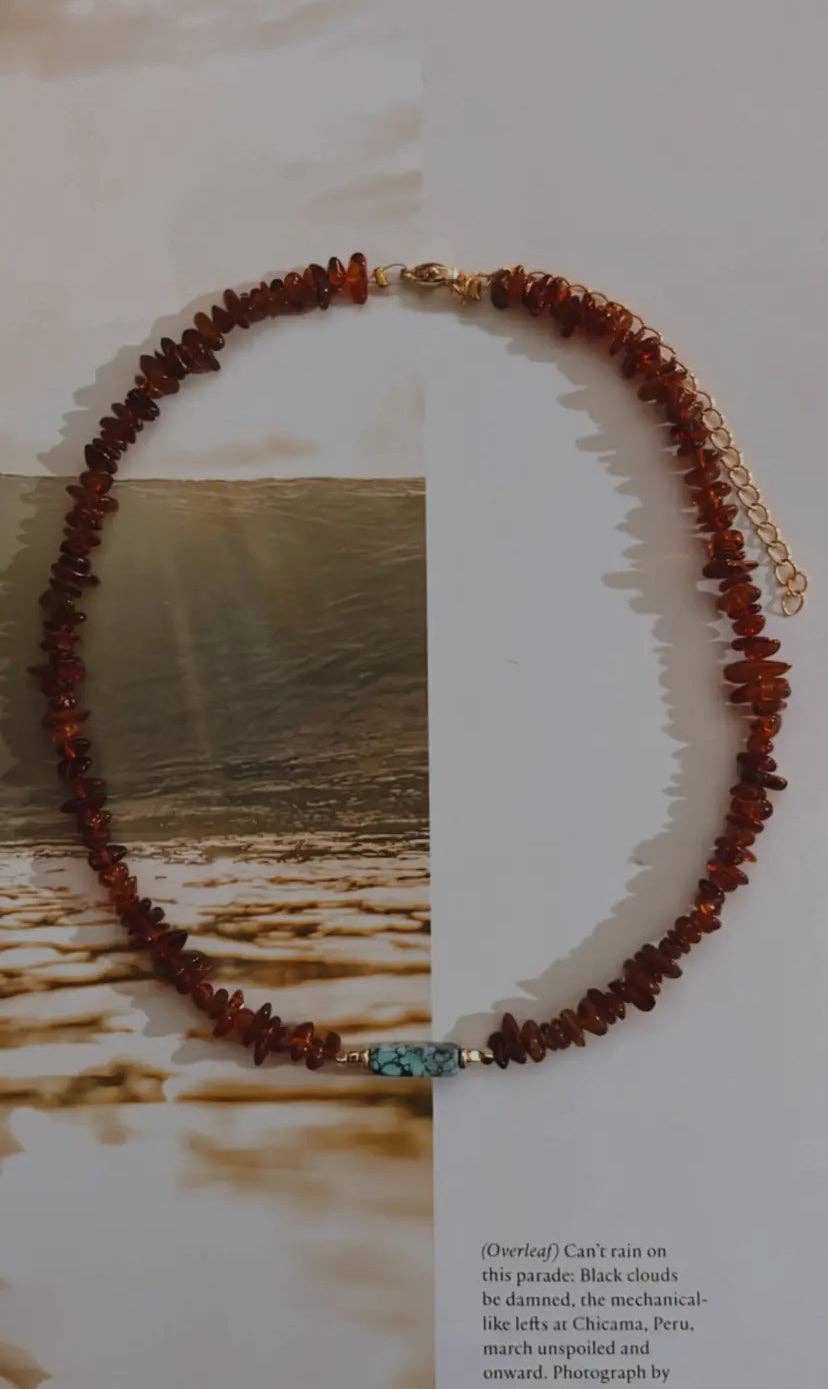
{"x":357,"y":278}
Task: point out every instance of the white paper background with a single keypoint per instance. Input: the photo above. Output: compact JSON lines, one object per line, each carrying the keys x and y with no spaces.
{"x":673,"y":156}
{"x":579,"y":753}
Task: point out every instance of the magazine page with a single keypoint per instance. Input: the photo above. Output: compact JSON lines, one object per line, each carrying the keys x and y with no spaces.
{"x":650,"y":1207}
{"x":414,"y":708}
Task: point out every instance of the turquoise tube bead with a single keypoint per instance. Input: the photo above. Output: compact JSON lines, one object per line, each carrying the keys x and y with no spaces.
{"x":414,"y":1059}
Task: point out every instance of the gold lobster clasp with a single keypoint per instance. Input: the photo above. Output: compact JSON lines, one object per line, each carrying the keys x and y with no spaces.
{"x":433,"y":273}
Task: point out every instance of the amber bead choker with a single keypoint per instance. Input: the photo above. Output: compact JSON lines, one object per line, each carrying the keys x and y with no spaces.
{"x":720,"y":488}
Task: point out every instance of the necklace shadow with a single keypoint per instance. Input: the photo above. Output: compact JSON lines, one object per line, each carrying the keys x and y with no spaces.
{"x":36,"y":508}
{"x":659,"y":582}
{"x":32,"y":510}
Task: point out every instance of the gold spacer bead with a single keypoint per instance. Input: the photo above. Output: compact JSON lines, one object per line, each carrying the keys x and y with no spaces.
{"x":379,"y":274}
{"x":352,"y":1058}
{"x":470,"y":1056}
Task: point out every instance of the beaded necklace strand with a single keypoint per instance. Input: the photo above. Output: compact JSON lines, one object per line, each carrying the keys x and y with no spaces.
{"x":720,"y":485}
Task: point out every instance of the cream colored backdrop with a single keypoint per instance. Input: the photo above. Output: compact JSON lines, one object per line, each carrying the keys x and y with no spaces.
{"x":671,"y":155}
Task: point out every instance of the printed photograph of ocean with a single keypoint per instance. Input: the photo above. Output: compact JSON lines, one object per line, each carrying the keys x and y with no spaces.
{"x":256,"y":662}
